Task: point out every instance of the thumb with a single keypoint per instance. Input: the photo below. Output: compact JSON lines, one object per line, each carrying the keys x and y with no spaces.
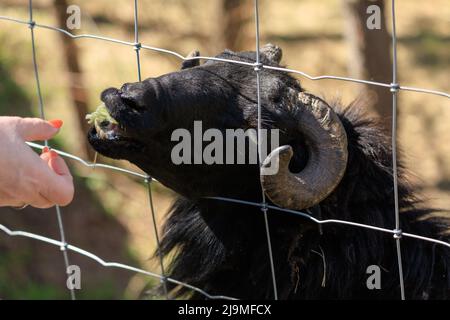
{"x":55,"y":162}
{"x":60,"y":189}
{"x":32,"y":129}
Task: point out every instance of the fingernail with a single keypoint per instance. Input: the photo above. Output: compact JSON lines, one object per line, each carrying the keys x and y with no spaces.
{"x":45,"y":150}
{"x":55,"y":163}
{"x":53,"y":154}
{"x":56,"y":123}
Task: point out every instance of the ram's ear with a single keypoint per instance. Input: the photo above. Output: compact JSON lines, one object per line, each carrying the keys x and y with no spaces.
{"x":272,"y":52}
{"x":190,"y":63}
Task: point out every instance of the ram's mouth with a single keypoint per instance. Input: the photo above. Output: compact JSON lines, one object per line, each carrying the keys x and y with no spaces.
{"x":107,"y":130}
{"x":105,"y":127}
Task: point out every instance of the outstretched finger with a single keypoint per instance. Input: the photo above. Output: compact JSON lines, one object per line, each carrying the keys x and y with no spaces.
{"x":32,"y":129}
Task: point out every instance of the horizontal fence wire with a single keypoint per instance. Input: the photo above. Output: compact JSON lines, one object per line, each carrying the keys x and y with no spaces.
{"x":249,"y":64}
{"x":257,"y":66}
{"x":249,"y":203}
{"x":106,"y":263}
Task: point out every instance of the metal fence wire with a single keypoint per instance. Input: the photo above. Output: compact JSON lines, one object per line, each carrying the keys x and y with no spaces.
{"x":394,"y":87}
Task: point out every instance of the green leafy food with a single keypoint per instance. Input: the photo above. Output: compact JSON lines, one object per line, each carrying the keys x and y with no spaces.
{"x":100,"y":115}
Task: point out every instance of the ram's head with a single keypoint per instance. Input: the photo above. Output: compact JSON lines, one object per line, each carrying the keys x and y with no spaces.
{"x":143,"y":116}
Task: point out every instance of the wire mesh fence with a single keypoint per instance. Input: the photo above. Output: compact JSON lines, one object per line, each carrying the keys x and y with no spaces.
{"x":257,"y":66}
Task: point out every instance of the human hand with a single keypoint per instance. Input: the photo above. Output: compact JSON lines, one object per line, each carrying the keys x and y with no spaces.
{"x":26,"y":178}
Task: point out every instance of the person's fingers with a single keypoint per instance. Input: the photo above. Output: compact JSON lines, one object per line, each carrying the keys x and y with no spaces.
{"x":58,"y":165}
{"x":28,"y":194}
{"x":57,"y":185}
{"x":37,"y":201}
{"x":32,"y":129}
{"x":40,"y":202}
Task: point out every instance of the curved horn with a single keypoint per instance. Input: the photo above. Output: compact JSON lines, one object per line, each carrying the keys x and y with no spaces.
{"x":327,"y":147}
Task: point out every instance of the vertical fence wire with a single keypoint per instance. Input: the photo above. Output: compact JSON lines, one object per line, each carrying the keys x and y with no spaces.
{"x":137,"y":44}
{"x":148,"y":180}
{"x":158,"y":243}
{"x":32,"y":24}
{"x":394,"y":89}
{"x":264,"y":207}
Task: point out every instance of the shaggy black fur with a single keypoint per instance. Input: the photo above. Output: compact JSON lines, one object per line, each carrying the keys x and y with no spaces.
{"x":221,"y":247}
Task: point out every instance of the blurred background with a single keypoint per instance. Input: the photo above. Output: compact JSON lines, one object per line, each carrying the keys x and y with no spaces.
{"x":110,"y":215}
